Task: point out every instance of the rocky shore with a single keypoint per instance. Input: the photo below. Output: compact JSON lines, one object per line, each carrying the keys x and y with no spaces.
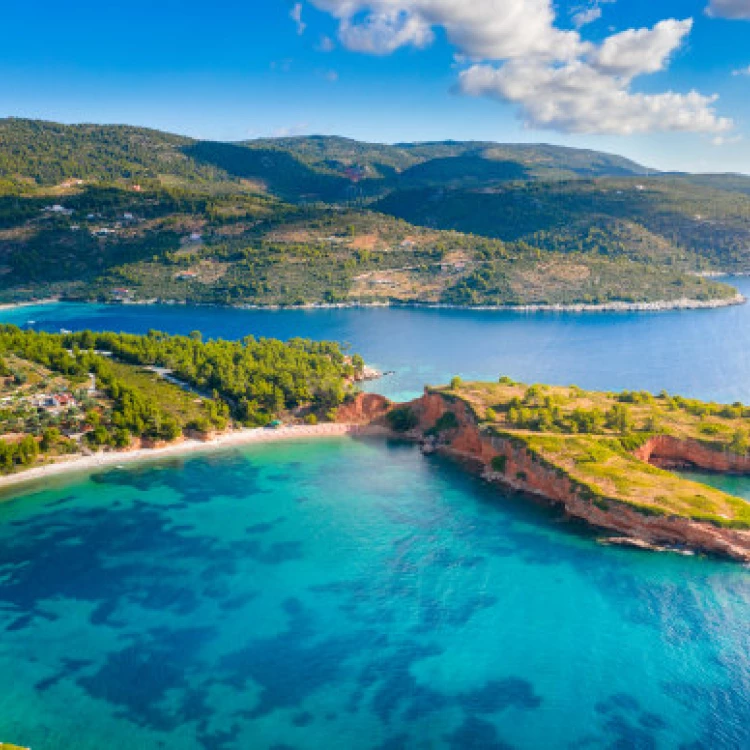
{"x":577,"y":307}
{"x":528,"y":473}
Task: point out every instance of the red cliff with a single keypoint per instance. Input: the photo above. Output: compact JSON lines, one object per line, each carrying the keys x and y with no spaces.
{"x":527,"y":472}
{"x":364,"y":408}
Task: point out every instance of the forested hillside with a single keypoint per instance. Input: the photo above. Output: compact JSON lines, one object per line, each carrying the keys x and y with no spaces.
{"x":63,"y":394}
{"x":127,"y":214}
{"x":670,"y":219}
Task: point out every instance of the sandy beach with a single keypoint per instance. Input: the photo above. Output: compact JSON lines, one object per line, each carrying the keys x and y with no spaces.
{"x":102,"y":460}
{"x":30,"y":303}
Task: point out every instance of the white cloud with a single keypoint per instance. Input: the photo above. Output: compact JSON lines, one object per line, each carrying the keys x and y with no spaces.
{"x":638,"y":51}
{"x":742,"y":71}
{"x":296,"y":15}
{"x":487,"y":29}
{"x":585,"y":17}
{"x":578,"y":98}
{"x":517,"y":54}
{"x":735,"y":9}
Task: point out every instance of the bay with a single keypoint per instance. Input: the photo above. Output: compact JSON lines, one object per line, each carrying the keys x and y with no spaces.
{"x":355,"y":594}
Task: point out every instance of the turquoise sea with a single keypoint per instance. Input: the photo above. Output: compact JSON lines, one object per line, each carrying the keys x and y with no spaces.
{"x":347,"y":593}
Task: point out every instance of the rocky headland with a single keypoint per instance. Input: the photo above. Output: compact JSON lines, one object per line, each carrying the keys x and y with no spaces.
{"x":689,"y":517}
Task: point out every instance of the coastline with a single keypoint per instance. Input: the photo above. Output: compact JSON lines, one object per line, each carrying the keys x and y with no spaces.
{"x":86,"y":464}
{"x":30,"y":303}
{"x":581,"y":307}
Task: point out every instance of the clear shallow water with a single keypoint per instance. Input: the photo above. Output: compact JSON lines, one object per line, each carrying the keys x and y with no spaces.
{"x":351,"y":594}
{"x":704,"y":353}
{"x":347,"y":594}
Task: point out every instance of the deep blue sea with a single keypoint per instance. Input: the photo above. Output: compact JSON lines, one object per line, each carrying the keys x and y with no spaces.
{"x":342,"y":594}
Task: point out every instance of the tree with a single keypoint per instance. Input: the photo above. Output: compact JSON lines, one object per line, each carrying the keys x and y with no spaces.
{"x":618,"y":419}
{"x":740,"y":443}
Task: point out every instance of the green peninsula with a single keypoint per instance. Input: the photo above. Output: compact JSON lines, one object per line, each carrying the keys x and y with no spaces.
{"x":611,"y":459}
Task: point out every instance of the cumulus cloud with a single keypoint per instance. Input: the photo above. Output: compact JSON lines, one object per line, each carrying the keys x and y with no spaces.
{"x":516,"y":53}
{"x":487,"y":29}
{"x":578,"y":98}
{"x":638,"y":51}
{"x":742,"y":71}
{"x":735,"y":9}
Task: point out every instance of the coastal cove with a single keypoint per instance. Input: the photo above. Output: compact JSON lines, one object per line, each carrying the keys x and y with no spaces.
{"x":265,"y":595}
{"x":306,"y":593}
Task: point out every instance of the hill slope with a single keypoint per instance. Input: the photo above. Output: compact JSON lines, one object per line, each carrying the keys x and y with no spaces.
{"x":87,"y":208}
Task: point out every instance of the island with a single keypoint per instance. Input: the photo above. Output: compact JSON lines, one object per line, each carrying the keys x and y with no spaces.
{"x":611,"y":460}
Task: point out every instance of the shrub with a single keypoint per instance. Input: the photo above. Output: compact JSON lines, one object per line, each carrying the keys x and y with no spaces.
{"x":402,"y":420}
{"x":447,"y":421}
{"x":740,"y":443}
{"x":499,"y":463}
{"x":311,"y":419}
{"x":456,"y":383}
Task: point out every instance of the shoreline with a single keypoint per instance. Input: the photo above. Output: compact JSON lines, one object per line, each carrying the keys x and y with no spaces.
{"x":110,"y":459}
{"x":30,"y":303}
{"x":576,"y":307}
{"x":619,"y":307}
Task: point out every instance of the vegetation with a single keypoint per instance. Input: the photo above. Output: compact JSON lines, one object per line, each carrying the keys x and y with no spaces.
{"x":120,"y":213}
{"x":591,"y":438}
{"x":402,"y":420}
{"x":654,"y":220}
{"x":155,"y":388}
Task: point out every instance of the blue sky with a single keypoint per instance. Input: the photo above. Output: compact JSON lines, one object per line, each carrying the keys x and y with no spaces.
{"x":395,"y":70}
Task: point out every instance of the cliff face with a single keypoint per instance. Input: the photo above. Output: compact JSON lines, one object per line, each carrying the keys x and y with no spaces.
{"x":670,"y":452}
{"x":526,"y":472}
{"x":364,"y":408}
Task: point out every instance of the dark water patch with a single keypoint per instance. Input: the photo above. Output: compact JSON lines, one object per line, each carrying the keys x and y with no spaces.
{"x":499,"y":695}
{"x":20,"y":623}
{"x":234,"y":603}
{"x":622,"y":734}
{"x":146,"y":683}
{"x":62,"y":501}
{"x":476,"y":734}
{"x":399,"y":742}
{"x":110,"y":556}
{"x":290,"y":666}
{"x":217,"y":739}
{"x":392,"y":686}
{"x":264,"y":527}
{"x":626,"y":724}
{"x":68,"y":668}
{"x":437,"y":613}
{"x":303,"y":719}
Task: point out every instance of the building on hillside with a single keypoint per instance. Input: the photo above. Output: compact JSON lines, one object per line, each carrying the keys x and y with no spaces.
{"x":58,"y":209}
